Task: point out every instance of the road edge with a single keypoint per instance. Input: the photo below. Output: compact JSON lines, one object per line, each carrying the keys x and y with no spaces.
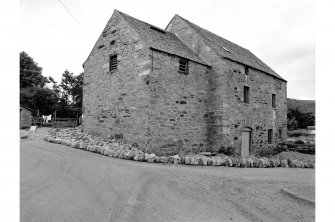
{"x":297,"y":196}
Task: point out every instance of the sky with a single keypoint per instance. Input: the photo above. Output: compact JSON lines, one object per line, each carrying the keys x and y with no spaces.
{"x":59,"y":34}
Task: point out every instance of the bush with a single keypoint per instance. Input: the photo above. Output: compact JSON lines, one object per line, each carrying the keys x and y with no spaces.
{"x":299,"y":142}
{"x":292,"y":124}
{"x":296,"y":118}
{"x":297,"y":133}
{"x":229,"y":150}
{"x":268,"y":151}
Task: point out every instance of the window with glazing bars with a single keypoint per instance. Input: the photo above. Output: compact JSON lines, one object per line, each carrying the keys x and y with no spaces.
{"x":183,"y":66}
{"x":112,"y":62}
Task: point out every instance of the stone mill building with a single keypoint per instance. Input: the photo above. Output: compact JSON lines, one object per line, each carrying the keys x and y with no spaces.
{"x":180,"y":89}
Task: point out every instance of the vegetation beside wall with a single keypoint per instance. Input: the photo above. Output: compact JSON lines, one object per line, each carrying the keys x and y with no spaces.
{"x":44,"y":96}
{"x":300,"y":114}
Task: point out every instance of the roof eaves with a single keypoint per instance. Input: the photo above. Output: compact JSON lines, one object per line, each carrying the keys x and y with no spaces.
{"x":278,"y":77}
{"x":160,"y":50}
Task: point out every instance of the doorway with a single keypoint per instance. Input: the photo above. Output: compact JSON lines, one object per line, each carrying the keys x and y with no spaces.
{"x":246,"y":141}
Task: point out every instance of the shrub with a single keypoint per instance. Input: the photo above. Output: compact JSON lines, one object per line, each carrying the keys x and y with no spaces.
{"x":268,"y":151}
{"x":297,"y":133}
{"x":292,"y":124}
{"x":299,"y":142}
{"x":229,"y":150}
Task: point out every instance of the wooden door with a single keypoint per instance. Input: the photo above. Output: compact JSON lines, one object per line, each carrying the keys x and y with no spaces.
{"x":245,"y":142}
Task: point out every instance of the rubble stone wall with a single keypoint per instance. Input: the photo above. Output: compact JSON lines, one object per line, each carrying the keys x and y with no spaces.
{"x":228,"y":114}
{"x":147,"y":100}
{"x":178,"y":106}
{"x":115,"y":103}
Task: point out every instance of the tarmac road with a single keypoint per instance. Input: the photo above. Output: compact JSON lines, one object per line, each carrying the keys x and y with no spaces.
{"x":63,"y":184}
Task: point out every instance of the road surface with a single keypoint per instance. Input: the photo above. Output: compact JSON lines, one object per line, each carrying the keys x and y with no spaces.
{"x":59,"y":183}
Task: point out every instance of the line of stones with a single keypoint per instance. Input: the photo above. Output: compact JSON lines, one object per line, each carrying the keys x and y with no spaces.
{"x":75,"y":138}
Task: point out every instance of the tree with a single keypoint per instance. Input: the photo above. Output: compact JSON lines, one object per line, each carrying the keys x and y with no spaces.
{"x":30,"y":72}
{"x":77,"y":90}
{"x":44,"y":94}
{"x":70,"y":92}
{"x":33,"y":90}
{"x":37,"y":98}
{"x":72,"y":88}
{"x":292,"y":124}
{"x":45,"y":100}
{"x":297,"y":119}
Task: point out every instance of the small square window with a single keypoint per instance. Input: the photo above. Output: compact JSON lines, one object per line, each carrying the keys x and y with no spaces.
{"x":270,"y":136}
{"x":112,"y":62}
{"x":183,"y":66}
{"x":246,"y":94}
{"x":274,"y":100}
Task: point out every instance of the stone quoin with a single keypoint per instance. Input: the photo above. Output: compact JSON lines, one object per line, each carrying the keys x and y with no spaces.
{"x":180,"y":89}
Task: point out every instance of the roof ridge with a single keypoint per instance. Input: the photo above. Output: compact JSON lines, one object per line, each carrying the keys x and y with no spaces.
{"x":191,"y":23}
{"x":122,"y":13}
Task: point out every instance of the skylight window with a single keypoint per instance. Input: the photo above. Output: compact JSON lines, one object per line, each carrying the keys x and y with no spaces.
{"x":225,"y":49}
{"x":157,"y":29}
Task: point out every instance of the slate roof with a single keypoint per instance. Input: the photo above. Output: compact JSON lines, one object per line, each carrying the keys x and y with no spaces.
{"x":166,"y":42}
{"x":230,"y":50}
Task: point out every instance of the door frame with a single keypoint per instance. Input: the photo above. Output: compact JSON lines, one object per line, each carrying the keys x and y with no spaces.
{"x":247,"y":129}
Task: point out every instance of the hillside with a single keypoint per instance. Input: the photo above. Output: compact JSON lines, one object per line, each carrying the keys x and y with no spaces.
{"x":305,"y":106}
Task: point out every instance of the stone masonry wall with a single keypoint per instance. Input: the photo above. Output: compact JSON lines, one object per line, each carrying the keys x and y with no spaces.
{"x":228,"y":114}
{"x":115,"y":103}
{"x":146,"y":101}
{"x":178,"y":105}
{"x":258,"y":114}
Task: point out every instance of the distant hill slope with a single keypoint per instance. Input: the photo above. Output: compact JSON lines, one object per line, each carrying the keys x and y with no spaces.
{"x":306,"y":106}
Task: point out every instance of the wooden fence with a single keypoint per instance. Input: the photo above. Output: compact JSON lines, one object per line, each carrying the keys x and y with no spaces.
{"x":65,"y":122}
{"x":301,"y":148}
{"x":57,"y":123}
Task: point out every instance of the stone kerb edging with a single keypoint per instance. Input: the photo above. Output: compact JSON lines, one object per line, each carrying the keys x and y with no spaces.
{"x":75,"y":138}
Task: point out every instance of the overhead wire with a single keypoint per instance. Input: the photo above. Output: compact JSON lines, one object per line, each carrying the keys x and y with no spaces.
{"x":74,"y":18}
